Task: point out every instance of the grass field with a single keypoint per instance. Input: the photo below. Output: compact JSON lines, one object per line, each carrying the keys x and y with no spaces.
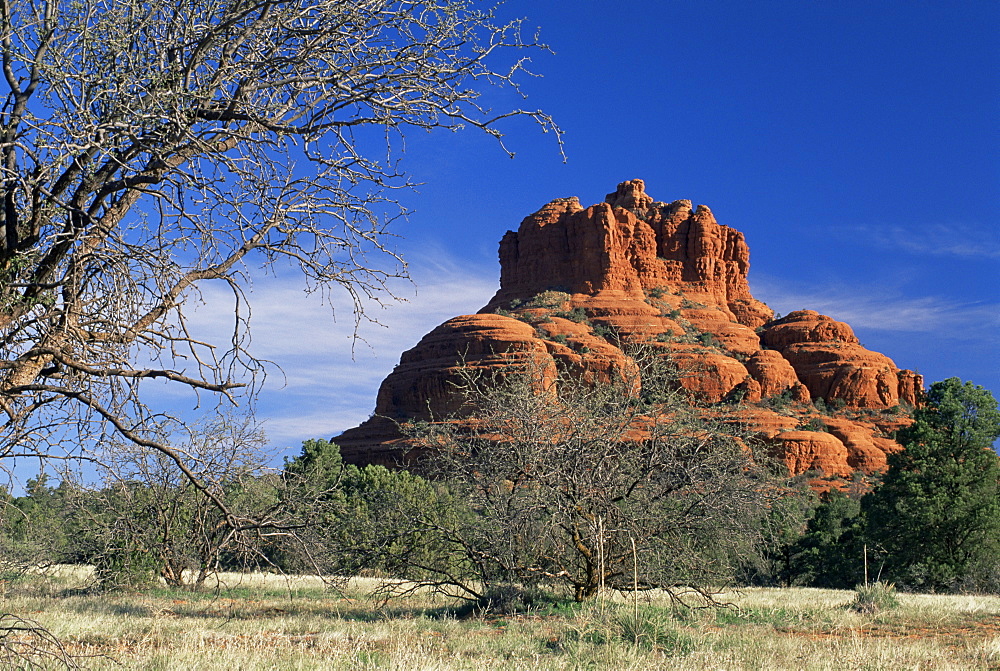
{"x":269,"y":622}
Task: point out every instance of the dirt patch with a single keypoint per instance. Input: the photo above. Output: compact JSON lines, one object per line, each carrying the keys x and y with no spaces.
{"x":956,"y":632}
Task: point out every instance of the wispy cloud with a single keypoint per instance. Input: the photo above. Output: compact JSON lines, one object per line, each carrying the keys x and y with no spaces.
{"x":957,"y":240}
{"x":328,"y":378}
{"x":862,"y":308}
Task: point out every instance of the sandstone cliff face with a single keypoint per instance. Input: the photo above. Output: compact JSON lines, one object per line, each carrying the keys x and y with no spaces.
{"x":579,"y":284}
{"x":628,"y":245}
{"x":828,"y":359}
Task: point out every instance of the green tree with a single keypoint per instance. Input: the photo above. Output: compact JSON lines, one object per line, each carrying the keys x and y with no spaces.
{"x":393,"y":523}
{"x":937,"y":513}
{"x":831,"y":551}
{"x":149,"y":519}
{"x":365,"y":520}
{"x":37,"y":528}
{"x":319,"y":465}
{"x":784,"y":525}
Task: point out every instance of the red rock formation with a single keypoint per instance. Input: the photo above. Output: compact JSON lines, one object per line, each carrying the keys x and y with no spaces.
{"x":866,"y":451}
{"x":911,"y":386}
{"x":579,"y":284}
{"x":421,"y":385}
{"x":629,"y":244}
{"x":828,"y":359}
{"x":772,"y":371}
{"x":807,"y":440}
{"x":426,"y":371}
{"x":804,"y":451}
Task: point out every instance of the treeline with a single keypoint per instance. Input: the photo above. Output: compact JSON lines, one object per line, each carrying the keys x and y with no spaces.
{"x":316,"y":515}
{"x":562,"y":502}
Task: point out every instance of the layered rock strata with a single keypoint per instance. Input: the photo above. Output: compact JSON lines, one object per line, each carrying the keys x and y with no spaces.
{"x":577,"y":285}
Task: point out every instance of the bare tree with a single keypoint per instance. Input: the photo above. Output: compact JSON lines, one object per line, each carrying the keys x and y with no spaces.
{"x":618,"y":483}
{"x":148,"y":519}
{"x":26,"y":644}
{"x":147,"y":148}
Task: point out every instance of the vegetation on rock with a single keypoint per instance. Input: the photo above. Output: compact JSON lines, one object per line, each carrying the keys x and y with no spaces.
{"x":631,"y":271}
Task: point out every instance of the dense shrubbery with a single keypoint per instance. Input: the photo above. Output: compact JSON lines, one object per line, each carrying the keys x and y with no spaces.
{"x":371,"y":520}
{"x":546,"y":508}
{"x":37,"y":527}
{"x":830,"y":553}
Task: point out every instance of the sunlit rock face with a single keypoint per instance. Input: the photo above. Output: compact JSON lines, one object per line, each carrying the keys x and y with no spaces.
{"x":578,"y":286}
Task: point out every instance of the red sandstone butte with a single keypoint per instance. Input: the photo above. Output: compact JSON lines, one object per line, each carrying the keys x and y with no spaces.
{"x":578,"y":284}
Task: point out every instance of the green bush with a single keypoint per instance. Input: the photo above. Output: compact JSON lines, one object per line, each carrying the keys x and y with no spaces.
{"x":648,"y":627}
{"x":708,"y":340}
{"x":127,"y":566}
{"x":577,"y":314}
{"x":38,"y":528}
{"x":602,"y":331}
{"x":831,"y":552}
{"x":654,"y":630}
{"x":782,"y":400}
{"x":549,"y":300}
{"x":511,"y":599}
{"x":814,"y":424}
{"x":689,"y":304}
{"x":368,"y":520}
{"x":875,"y":598}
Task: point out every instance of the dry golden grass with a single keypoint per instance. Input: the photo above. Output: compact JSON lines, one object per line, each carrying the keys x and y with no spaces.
{"x":271,"y":622}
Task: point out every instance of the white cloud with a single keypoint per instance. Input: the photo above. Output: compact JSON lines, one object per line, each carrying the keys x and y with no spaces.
{"x":932,"y":239}
{"x":328,"y":380}
{"x":862,"y":308}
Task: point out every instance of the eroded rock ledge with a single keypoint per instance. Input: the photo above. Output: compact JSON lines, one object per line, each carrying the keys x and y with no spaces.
{"x":578,"y":284}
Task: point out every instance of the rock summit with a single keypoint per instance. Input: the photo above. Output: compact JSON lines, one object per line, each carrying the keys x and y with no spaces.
{"x":578,"y":285}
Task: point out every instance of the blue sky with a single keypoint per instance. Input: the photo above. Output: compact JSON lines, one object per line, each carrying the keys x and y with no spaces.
{"x":855,"y":144}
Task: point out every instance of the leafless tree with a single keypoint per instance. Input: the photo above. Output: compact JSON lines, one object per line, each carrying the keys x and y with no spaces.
{"x":149,"y":520}
{"x":148,"y":148}
{"x":26,"y":644}
{"x":619,"y":483}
